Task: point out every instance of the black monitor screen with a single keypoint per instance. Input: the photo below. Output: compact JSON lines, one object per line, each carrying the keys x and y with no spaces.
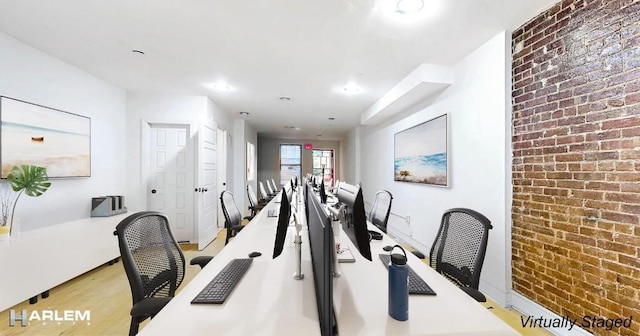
{"x":323,"y":193}
{"x":355,"y":221}
{"x":283,"y":222}
{"x":322,"y":247}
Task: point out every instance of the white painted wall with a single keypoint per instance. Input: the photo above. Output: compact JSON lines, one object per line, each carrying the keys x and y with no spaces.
{"x":478,"y":115}
{"x":30,"y":75}
{"x":243,"y":132}
{"x":350,"y":156}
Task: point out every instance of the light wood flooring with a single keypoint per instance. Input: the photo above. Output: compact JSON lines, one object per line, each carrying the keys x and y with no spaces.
{"x":105,"y":292}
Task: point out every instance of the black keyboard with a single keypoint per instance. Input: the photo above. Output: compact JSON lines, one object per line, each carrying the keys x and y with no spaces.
{"x":221,"y":286}
{"x":416,"y":284}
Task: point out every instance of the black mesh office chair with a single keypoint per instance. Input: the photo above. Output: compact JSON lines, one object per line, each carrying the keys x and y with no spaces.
{"x":153,"y":262}
{"x":459,"y":249}
{"x":263,"y":193}
{"x":232,"y":216}
{"x":272,"y":191}
{"x":380,"y":210}
{"x":253,"y":202}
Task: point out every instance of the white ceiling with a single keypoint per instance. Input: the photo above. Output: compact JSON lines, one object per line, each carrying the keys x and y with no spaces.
{"x":304,"y":49}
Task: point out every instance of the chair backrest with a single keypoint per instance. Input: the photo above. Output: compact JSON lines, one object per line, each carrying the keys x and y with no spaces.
{"x":380,"y":210}
{"x":232,"y":215}
{"x":275,"y":186}
{"x":460,"y":246}
{"x":151,"y":256}
{"x":253,"y":199}
{"x":263,"y":192}
{"x":271,"y":190}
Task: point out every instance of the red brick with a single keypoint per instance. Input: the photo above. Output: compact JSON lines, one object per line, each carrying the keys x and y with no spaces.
{"x":576,"y":202}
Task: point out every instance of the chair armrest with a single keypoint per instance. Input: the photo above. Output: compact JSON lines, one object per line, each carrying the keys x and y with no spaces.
{"x":149,"y":306}
{"x":201,"y":261}
{"x":474,"y":293}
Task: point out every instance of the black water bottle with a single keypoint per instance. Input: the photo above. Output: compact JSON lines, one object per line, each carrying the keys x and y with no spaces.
{"x":398,"y":285}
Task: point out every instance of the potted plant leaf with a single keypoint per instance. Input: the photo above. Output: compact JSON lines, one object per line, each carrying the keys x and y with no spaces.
{"x":27,"y":179}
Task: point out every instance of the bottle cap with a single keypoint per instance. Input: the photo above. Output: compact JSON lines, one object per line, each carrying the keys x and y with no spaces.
{"x":397,"y":258}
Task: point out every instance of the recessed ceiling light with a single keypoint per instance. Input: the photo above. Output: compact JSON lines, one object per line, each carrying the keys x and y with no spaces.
{"x":351,"y":89}
{"x":409,"y":6}
{"x":332,"y":118}
{"x":285,"y":98}
{"x":136,"y":51}
{"x":244,"y":114}
{"x":219,"y":86}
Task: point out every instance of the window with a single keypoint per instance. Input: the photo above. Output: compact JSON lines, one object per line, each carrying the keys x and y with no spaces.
{"x":290,"y":162}
{"x":323,"y":164}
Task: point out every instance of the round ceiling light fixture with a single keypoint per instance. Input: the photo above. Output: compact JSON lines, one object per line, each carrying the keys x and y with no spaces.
{"x":351,"y":89}
{"x":409,"y":6}
{"x":219,"y":86}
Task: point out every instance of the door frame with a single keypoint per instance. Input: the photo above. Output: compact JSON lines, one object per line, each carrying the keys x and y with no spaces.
{"x":145,"y":160}
{"x":222,"y":133}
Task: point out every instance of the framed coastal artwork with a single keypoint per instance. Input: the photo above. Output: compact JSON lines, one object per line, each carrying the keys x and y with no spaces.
{"x":37,"y":135}
{"x":421,"y":153}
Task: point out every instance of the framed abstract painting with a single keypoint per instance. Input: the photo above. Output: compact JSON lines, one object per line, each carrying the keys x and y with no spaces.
{"x":37,"y":135}
{"x":421,"y":153}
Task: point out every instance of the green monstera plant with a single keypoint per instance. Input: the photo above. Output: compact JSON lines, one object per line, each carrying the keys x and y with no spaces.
{"x":31,"y":180}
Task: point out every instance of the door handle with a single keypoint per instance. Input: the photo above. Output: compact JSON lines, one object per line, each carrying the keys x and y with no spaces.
{"x":198,"y":190}
{"x":205,"y":189}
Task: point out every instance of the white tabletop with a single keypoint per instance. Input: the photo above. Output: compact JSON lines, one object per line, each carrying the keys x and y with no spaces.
{"x":268,"y":301}
{"x":360,"y":298}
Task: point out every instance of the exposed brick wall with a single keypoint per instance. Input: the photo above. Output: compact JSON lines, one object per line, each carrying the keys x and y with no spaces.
{"x":576,"y":160}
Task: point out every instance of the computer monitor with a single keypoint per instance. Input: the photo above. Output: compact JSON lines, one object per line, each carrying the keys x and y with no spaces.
{"x":354,"y":221}
{"x":322,"y":249}
{"x":283,"y":222}
{"x":323,"y":193}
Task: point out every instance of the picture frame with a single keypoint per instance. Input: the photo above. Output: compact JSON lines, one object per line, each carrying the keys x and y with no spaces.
{"x":32,"y":134}
{"x":421,"y":153}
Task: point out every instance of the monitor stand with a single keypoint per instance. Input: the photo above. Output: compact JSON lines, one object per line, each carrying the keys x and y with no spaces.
{"x":298,"y":275}
{"x":336,"y":269}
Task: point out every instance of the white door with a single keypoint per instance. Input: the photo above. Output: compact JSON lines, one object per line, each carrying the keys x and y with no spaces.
{"x":222,"y":172}
{"x":206,"y":190}
{"x":171,"y":177}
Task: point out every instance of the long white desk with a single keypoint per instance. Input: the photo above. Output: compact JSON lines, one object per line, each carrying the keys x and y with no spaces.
{"x":360,"y":299}
{"x":268,"y":301}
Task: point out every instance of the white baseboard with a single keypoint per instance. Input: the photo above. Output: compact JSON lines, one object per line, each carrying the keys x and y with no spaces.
{"x":530,"y":308}
{"x":402,"y":237}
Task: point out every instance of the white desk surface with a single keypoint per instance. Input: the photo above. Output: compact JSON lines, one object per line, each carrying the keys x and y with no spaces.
{"x":360,"y":299}
{"x":268,"y":301}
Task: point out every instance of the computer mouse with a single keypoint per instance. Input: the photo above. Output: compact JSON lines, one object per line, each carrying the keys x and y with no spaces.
{"x":254,"y":254}
{"x":388,"y":248}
